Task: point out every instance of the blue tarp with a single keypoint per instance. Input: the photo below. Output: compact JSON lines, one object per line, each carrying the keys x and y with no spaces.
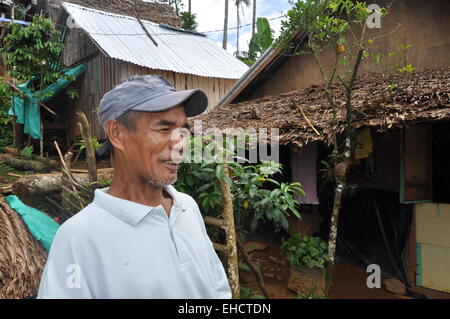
{"x":41,"y":226}
{"x":27,"y":109}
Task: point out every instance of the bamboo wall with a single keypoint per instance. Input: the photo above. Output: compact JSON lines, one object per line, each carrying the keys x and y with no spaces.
{"x":103,"y":73}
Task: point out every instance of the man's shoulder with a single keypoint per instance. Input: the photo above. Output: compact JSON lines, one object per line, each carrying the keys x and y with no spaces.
{"x":185,"y":198}
{"x":82,"y":222}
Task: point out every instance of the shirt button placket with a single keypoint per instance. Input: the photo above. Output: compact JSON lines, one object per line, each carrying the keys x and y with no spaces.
{"x":178,"y":246}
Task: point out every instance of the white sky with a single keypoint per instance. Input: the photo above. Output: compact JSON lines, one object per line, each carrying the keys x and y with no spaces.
{"x":210,"y":16}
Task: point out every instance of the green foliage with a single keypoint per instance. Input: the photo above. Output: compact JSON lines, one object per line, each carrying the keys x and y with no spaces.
{"x":27,"y":151}
{"x":325,"y":22}
{"x":32,"y":52}
{"x":255,"y":193}
{"x":188,"y":21}
{"x":247,"y":293}
{"x":261,"y":197}
{"x":72,"y":93}
{"x":260,"y":41}
{"x":6,"y":132}
{"x":101,"y":183}
{"x":95,"y":143}
{"x":306,"y":251}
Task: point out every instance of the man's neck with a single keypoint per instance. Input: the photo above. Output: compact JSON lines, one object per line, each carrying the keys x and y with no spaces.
{"x":139,"y":191}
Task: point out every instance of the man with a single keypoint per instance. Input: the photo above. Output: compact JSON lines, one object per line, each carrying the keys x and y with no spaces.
{"x":140,"y":238}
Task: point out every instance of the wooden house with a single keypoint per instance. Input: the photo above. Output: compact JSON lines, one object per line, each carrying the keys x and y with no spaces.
{"x":116,"y":41}
{"x":398,"y":213}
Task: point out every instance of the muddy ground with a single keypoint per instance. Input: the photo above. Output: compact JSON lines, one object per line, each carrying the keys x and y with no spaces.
{"x":349,"y":282}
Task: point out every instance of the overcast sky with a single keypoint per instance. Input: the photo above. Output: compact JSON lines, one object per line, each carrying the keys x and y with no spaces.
{"x":210,"y":16}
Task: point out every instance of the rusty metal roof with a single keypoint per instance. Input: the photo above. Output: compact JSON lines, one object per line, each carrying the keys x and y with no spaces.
{"x":122,"y":37}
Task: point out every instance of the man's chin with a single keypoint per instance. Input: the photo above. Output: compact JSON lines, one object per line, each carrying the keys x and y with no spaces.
{"x":161,"y":182}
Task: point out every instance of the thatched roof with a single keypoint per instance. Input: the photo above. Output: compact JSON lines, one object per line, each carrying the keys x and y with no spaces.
{"x":419,"y":98}
{"x":150,"y":11}
{"x":22,"y":258}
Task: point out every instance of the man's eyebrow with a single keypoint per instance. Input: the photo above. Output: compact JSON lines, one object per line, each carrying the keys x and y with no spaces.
{"x":164,"y":122}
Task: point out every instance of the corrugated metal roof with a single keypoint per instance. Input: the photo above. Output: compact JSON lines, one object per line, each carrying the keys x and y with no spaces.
{"x":122,"y":37}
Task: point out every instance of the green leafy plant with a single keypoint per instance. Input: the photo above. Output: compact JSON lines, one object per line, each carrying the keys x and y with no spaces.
{"x":27,"y":151}
{"x":33,"y":52}
{"x":306,"y":251}
{"x":188,"y":20}
{"x":256,"y":195}
{"x":261,"y":197}
{"x":260,"y":41}
{"x":95,"y":143}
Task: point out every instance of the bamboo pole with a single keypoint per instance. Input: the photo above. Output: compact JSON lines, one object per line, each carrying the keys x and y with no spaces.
{"x":90,"y":152}
{"x":230,"y":231}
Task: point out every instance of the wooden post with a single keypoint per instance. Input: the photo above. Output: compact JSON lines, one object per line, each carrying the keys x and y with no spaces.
{"x":90,"y":152}
{"x":228,"y":216}
{"x":41,"y":141}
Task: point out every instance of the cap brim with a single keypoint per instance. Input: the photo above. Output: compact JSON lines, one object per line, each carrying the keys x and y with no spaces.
{"x":195,"y":102}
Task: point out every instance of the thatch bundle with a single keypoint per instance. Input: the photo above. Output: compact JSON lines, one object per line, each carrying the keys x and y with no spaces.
{"x":22,"y":258}
{"x":422,"y":97}
{"x":150,"y":11}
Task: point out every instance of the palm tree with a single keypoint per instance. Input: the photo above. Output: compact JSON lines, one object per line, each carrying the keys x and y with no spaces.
{"x":238,"y":4}
{"x":254,"y":18}
{"x":225,"y":27}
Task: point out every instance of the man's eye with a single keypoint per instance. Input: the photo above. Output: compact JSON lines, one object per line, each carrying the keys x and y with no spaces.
{"x":165,"y":129}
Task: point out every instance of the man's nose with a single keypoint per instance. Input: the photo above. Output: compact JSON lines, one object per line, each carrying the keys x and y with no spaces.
{"x":179,"y":139}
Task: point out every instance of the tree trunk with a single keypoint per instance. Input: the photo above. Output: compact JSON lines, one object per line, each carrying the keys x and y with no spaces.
{"x":190,"y":6}
{"x":90,"y":152}
{"x":237,"y":29}
{"x":47,"y":161}
{"x":254,"y":18}
{"x":228,"y":216}
{"x":225,"y":27}
{"x":45,"y":184}
{"x":22,"y":164}
{"x":340,"y":176}
{"x":253,"y":268}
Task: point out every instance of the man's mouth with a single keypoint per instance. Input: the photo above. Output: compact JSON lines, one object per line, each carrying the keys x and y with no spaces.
{"x":172,"y":164}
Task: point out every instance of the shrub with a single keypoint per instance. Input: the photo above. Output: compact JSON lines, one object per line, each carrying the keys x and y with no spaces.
{"x":306,"y":251}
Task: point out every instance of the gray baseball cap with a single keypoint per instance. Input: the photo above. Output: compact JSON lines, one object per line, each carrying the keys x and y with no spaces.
{"x":149,"y":93}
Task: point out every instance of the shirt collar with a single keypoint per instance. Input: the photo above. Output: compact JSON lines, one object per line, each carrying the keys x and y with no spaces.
{"x":129,"y":211}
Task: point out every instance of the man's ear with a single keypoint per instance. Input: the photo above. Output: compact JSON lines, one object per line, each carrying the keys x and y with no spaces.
{"x":115,"y":133}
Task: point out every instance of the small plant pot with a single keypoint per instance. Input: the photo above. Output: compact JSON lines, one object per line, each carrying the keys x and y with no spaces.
{"x":308,"y":281}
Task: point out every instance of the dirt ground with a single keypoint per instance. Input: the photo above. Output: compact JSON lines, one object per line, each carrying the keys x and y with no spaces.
{"x":349,"y":282}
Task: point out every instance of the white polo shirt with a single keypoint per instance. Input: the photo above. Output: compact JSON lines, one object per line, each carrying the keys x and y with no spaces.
{"x":116,"y":248}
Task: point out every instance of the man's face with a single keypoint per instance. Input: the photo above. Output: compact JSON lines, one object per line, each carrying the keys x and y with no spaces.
{"x":155,"y":149}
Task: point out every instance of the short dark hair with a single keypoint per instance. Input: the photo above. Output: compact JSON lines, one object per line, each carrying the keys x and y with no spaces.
{"x":128,"y":120}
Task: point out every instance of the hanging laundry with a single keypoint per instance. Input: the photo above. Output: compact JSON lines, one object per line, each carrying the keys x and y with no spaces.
{"x":304,"y":171}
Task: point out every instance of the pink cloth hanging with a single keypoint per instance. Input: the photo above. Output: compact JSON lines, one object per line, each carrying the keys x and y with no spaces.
{"x":304,"y":171}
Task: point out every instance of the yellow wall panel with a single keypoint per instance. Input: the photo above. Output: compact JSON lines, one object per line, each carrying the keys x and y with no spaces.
{"x":433,"y":224}
{"x":435,"y":270}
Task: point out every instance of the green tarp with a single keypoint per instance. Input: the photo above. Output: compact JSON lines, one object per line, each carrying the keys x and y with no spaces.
{"x":27,"y":109}
{"x":41,"y":226}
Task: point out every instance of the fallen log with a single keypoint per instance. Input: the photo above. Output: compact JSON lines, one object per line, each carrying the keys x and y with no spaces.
{"x":45,"y":184}
{"x":47,"y":161}
{"x":21,"y":164}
